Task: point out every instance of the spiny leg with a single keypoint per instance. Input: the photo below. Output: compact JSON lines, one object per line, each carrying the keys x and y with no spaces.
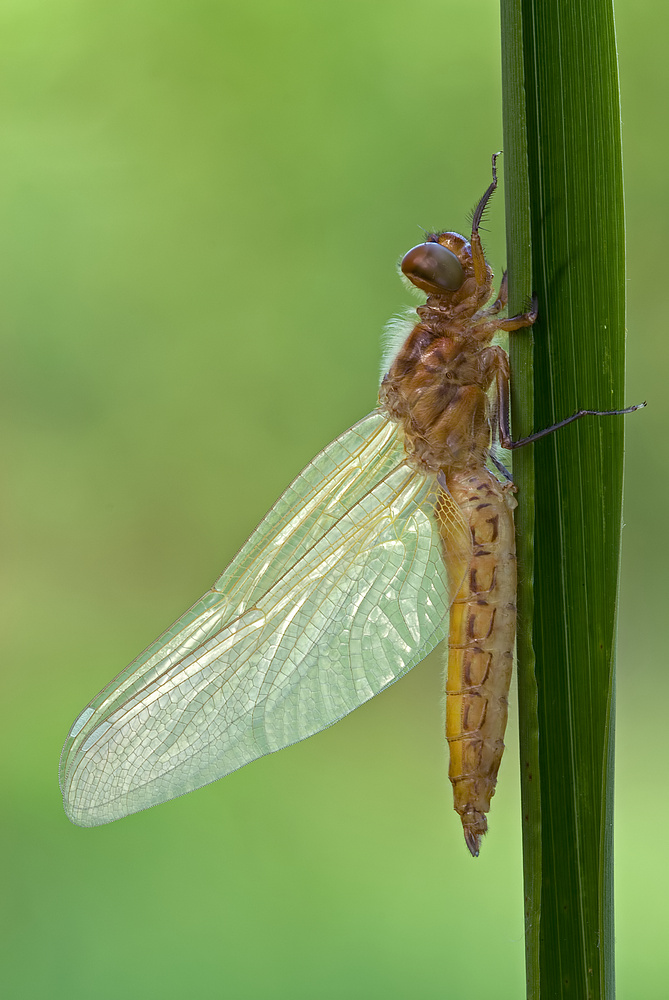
{"x":485,"y":325}
{"x":500,"y":362}
{"x":508,"y":443}
{"x":478,"y":257}
{"x":502,"y":379}
{"x":511,"y":323}
{"x":501,"y":468}
{"x":500,"y":301}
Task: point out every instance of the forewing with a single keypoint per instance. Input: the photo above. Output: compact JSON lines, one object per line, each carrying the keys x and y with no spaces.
{"x":340,"y":591}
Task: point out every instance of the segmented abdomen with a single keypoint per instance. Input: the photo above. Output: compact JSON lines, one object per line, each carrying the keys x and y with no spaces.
{"x":480,"y":655}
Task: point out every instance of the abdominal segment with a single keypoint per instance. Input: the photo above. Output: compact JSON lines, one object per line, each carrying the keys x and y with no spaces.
{"x":480,"y":647}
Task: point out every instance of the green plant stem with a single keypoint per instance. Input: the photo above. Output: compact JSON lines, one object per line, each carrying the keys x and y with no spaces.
{"x":566,"y":55}
{"x":519,"y":262}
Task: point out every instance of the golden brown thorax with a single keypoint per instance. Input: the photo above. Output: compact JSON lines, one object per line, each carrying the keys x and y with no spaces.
{"x":438,"y":384}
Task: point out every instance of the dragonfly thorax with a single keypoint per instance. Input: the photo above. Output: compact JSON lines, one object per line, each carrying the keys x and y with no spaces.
{"x":437,"y":389}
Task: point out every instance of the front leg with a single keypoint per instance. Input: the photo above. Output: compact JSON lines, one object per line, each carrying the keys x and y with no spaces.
{"x":478,"y":257}
{"x":486,"y":325}
{"x":501,"y":299}
{"x":511,"y":323}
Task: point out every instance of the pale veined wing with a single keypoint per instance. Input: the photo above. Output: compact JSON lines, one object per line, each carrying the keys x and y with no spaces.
{"x":339,"y":591}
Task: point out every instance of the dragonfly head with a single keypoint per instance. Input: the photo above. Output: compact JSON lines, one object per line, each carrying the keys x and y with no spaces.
{"x":442,"y":266}
{"x":433,"y":268}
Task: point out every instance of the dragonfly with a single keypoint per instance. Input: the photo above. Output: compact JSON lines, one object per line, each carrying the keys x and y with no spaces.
{"x":398,"y":535}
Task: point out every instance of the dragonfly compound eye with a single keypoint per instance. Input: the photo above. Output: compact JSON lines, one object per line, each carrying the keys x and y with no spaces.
{"x":433,"y":268}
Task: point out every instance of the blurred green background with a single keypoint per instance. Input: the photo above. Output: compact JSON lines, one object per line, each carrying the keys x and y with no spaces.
{"x":203,"y":207}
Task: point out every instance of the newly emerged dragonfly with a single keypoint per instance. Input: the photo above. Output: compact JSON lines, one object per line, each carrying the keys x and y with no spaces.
{"x":347,"y":582}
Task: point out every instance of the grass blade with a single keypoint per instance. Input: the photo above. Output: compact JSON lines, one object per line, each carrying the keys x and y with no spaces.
{"x":519,"y":262}
{"x":574,"y":163}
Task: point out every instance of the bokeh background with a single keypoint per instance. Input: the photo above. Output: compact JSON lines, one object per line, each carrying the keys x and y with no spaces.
{"x":203,"y":206}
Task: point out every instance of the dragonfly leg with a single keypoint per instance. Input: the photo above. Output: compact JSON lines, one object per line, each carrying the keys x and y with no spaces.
{"x":508,"y":443}
{"x":500,"y":467}
{"x":501,"y":300}
{"x":486,"y":325}
{"x":511,"y":323}
{"x":478,"y":257}
{"x":501,"y":408}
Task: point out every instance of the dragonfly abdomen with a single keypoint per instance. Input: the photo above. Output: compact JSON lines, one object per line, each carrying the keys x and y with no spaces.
{"x":480,"y":654}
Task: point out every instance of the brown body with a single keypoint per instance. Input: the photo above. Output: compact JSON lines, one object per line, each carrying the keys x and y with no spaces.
{"x":448,"y":388}
{"x":480,"y":649}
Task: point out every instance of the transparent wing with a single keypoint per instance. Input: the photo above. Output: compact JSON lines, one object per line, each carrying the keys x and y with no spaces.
{"x":339,"y":591}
